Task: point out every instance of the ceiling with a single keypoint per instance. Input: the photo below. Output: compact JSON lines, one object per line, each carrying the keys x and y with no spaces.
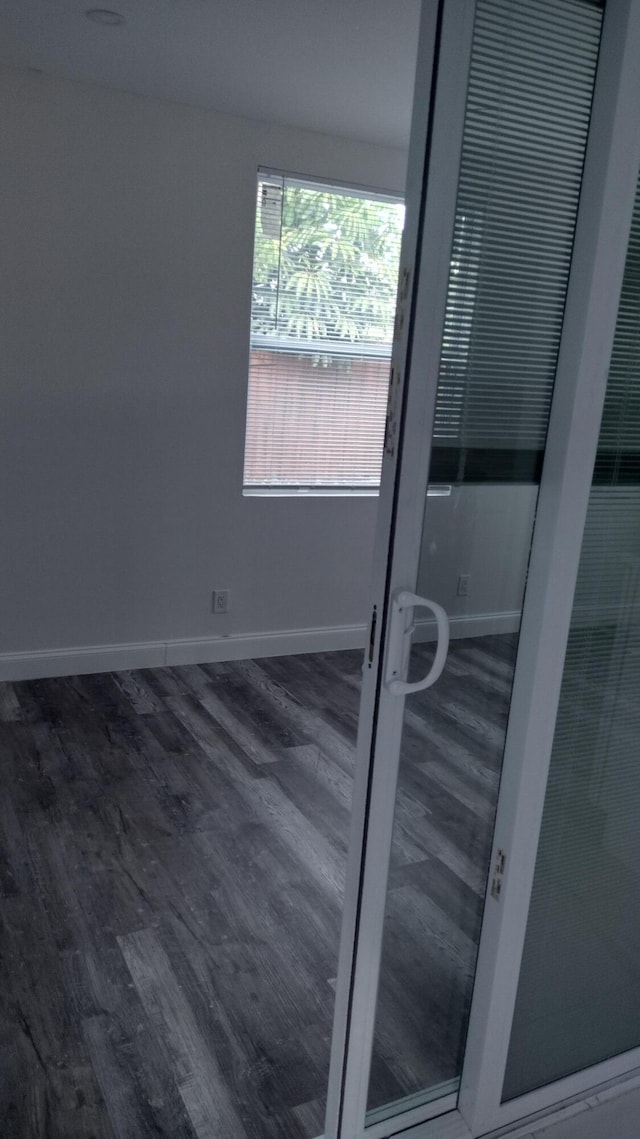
{"x":341,"y":66}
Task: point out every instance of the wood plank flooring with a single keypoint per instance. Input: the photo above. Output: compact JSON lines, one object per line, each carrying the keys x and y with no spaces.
{"x":172,"y":859}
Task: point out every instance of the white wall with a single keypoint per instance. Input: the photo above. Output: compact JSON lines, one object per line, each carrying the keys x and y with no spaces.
{"x":485,"y":532}
{"x":126,"y":236}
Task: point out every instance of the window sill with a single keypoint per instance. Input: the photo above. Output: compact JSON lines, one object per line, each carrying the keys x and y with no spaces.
{"x":310,"y":492}
{"x":434,"y":490}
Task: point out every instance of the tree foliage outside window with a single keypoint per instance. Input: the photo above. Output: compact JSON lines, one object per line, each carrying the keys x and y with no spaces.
{"x":325,"y":277}
{"x":325,"y":265}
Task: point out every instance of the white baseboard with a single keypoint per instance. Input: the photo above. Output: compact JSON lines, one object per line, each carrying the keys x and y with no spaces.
{"x":242,"y":646}
{"x":246,"y":646}
{"x":478,"y":625}
{"x":70,"y":662}
{"x":197,"y":650}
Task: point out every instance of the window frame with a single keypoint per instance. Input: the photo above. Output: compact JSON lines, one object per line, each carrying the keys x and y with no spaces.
{"x":338,"y":349}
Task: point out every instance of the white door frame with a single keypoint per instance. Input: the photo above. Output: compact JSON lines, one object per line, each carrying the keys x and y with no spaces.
{"x":436,"y":140}
{"x":611,"y":168}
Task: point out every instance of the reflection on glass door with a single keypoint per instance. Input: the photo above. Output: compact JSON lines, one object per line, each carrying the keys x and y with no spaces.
{"x":578,"y":998}
{"x":452,"y":745}
{"x":532,"y":72}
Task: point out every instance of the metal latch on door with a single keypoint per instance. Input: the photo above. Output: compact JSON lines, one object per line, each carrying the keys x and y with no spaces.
{"x":401,"y":629}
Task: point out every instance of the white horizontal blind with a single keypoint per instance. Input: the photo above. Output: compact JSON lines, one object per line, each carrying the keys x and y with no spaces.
{"x":619,"y":444}
{"x":579,"y":990}
{"x":531,"y":81}
{"x":323,"y":304}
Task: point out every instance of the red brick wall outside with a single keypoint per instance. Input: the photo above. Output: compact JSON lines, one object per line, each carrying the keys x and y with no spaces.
{"x":315,"y":424}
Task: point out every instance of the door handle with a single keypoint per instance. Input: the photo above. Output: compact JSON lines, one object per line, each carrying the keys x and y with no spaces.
{"x":400,"y":634}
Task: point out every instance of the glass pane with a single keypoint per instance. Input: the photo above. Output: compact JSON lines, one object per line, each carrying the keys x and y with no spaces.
{"x":579,"y":991}
{"x":325,"y":278}
{"x":532,"y":72}
{"x":452,"y":744}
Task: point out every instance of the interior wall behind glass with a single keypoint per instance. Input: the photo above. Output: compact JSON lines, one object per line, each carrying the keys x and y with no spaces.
{"x":578,"y":999}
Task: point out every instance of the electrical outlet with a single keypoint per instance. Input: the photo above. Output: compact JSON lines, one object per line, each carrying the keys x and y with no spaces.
{"x":221,"y":600}
{"x":463,"y":585}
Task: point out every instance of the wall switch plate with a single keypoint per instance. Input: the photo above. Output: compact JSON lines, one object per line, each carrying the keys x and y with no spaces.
{"x":463,"y":585}
{"x":221,"y":600}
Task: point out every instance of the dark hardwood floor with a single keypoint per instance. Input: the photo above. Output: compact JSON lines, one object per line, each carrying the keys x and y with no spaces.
{"x":172,"y":858}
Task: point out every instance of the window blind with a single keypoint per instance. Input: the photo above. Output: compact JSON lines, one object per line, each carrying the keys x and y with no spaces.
{"x":323,"y":304}
{"x":531,"y":80}
{"x":325,"y":270}
{"x":579,"y":991}
{"x":618,"y":459}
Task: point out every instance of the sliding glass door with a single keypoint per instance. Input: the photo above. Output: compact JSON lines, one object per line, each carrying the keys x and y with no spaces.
{"x":524,"y":157}
{"x":578,"y":999}
{"x":528,"y":102}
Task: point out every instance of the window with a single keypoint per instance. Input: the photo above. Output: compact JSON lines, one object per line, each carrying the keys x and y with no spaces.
{"x":325,"y":273}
